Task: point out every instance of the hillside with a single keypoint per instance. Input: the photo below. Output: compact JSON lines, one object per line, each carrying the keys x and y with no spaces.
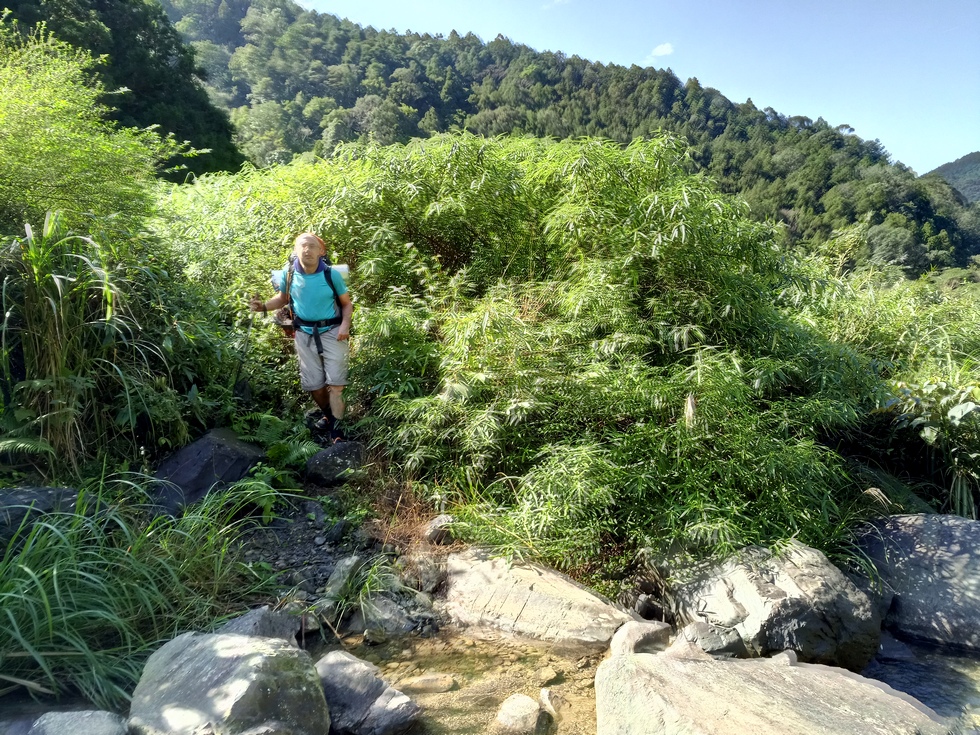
{"x":144,"y":56}
{"x":964,"y":175}
{"x":298,"y":81}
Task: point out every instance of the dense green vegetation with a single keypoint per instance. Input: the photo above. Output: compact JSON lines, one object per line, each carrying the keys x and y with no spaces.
{"x":145,"y":56}
{"x":964,"y":174}
{"x":87,"y":596}
{"x":583,"y":349}
{"x":108,"y":358}
{"x":299,"y":81}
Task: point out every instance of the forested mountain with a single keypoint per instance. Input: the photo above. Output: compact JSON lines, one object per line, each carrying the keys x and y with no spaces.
{"x":297,"y":80}
{"x":963,"y":174}
{"x":145,"y":55}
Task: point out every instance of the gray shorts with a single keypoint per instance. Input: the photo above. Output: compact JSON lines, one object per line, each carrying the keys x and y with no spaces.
{"x":330,"y":368}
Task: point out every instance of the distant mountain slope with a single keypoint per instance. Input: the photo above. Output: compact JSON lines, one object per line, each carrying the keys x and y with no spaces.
{"x":964,"y":175}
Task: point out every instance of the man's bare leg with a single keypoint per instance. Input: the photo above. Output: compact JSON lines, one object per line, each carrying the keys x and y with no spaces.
{"x":330,"y":399}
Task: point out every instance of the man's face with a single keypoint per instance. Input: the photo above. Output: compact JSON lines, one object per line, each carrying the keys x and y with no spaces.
{"x":309,"y":251}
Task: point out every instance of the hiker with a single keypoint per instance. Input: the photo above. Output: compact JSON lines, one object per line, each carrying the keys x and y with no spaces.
{"x":322,"y":311}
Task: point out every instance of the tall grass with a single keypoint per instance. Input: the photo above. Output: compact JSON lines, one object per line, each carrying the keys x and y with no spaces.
{"x":87,"y":596}
{"x":103,"y":352}
{"x":924,"y":339}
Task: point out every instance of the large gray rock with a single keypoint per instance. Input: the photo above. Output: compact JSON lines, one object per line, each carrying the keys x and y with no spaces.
{"x":217,"y":459}
{"x":231,"y":683}
{"x":521,"y":715}
{"x":527,"y":600}
{"x":389,"y":615}
{"x":797,"y":601}
{"x":931,"y":566}
{"x":17,"y":503}
{"x":360,"y":702}
{"x":91,"y":722}
{"x":670,"y":694}
{"x":636,"y":636}
{"x":714,"y":640}
{"x":330,"y":466}
{"x":267,"y":623}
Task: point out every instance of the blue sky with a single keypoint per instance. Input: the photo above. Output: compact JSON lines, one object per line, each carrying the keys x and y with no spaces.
{"x":906,"y":73}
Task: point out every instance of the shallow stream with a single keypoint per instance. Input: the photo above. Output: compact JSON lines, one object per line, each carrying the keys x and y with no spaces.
{"x":486,"y":671}
{"x":945,"y":680}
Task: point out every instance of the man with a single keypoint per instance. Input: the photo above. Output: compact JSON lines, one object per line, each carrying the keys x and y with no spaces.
{"x":322,"y":310}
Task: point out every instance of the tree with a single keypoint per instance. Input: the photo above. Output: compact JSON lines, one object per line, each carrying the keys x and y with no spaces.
{"x":58,"y":150}
{"x":145,"y":56}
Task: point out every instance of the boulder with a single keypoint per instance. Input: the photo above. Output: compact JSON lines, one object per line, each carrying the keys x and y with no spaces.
{"x":217,"y":459}
{"x":17,"y":503}
{"x":931,"y":566}
{"x":439,"y":530}
{"x":528,"y":600}
{"x":797,"y":600}
{"x":233,"y":684}
{"x":672,"y":694}
{"x":891,"y":649}
{"x":640,"y":636}
{"x":330,"y":466}
{"x":521,"y":715}
{"x":92,"y":722}
{"x":360,"y":701}
{"x":267,"y":623}
{"x":714,"y":640}
{"x":389,"y":615}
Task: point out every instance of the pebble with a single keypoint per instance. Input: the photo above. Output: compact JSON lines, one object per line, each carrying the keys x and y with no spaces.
{"x":319,"y":540}
{"x":545,"y":676}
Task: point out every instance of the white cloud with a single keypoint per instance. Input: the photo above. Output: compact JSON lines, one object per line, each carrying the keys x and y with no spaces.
{"x":664,"y":49}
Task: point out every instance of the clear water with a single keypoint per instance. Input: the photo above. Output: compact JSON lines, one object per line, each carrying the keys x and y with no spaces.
{"x":487,"y":668}
{"x":946,"y":680}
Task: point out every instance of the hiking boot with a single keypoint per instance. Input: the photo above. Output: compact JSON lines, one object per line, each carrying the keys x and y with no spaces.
{"x":324,"y":425}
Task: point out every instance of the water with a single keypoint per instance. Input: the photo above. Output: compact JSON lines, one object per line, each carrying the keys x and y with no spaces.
{"x":946,"y":680}
{"x":487,"y":669}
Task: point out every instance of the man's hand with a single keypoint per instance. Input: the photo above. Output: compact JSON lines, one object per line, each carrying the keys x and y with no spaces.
{"x":343,"y":333}
{"x":256,"y":303}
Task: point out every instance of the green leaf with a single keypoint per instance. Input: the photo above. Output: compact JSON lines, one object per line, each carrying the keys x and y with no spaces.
{"x":957,"y":413}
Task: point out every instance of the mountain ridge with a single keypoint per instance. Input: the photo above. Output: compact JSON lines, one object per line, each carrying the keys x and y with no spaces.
{"x":963,"y":174}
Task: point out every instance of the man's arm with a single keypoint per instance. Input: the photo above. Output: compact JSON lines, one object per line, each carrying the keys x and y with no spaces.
{"x":346,"y":310}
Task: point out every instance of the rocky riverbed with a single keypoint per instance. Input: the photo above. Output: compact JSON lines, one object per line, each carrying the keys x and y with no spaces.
{"x":459,"y":676}
{"x":460,"y":681}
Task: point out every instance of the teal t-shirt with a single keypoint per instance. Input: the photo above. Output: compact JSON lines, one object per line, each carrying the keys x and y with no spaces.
{"x":312,"y":297}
